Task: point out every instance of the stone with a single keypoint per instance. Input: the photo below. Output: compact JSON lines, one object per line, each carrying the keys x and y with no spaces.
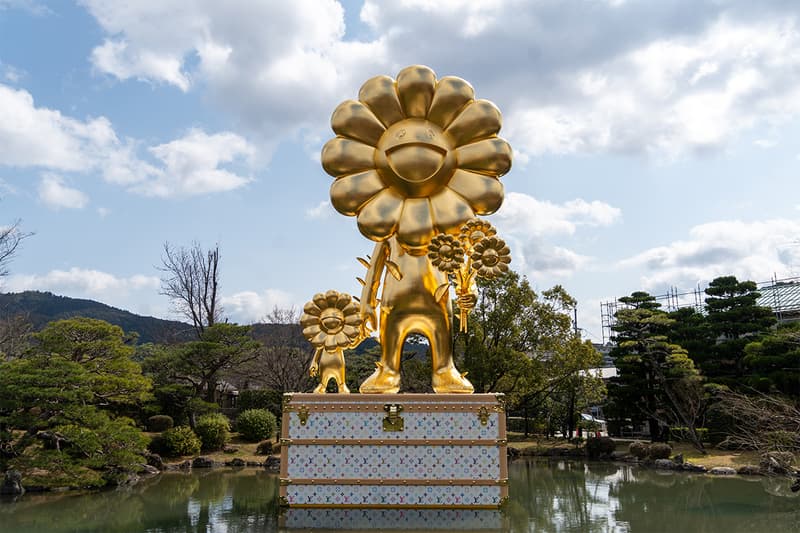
{"x":678,"y":459}
{"x":12,"y":484}
{"x":722,"y":471}
{"x":148,"y":470}
{"x":154,"y":460}
{"x":273,"y":463}
{"x":664,"y":464}
{"x":202,"y":462}
{"x":749,"y":470}
{"x":512,"y":453}
{"x":237,"y":462}
{"x":690,"y":467}
{"x":230,"y":449}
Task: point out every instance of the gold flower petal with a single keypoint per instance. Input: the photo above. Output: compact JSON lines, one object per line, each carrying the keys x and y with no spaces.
{"x":308,"y":320}
{"x":352,"y":319}
{"x":343,"y":301}
{"x":379,"y":95}
{"x":489,"y":156}
{"x":349,"y":193}
{"x":449,"y":210}
{"x":319,"y":339}
{"x":416,"y":224}
{"x":451,"y":95}
{"x":331,"y":297}
{"x":350,"y":309}
{"x":478,"y":120}
{"x":311,"y":331}
{"x":355,"y":120}
{"x":311,"y":309}
{"x":350,"y":331}
{"x":319,"y":300}
{"x":415,"y":85}
{"x":330,"y":342}
{"x":483,"y":193}
{"x":342,"y":156}
{"x":378,"y":218}
{"x":341,"y":339}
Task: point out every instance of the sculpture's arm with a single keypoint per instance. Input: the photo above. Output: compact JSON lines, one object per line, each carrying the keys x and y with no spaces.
{"x":369,"y":293}
{"x":313,"y":370}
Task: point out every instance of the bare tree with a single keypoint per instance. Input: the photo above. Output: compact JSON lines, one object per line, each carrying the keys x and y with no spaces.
{"x":10,"y":239}
{"x":191,"y":281}
{"x":283,"y":361}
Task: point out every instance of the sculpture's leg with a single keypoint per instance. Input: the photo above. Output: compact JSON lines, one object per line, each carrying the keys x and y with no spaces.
{"x":446,"y":378}
{"x":386,"y":378}
{"x":323,"y":385}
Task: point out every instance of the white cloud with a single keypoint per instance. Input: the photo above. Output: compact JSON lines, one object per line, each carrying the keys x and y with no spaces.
{"x":529,"y":224}
{"x":103,"y":212}
{"x":321,"y":210}
{"x":39,"y":137}
{"x":56,"y":195}
{"x":247,"y":307}
{"x":80,"y":282}
{"x":748,"y":250}
{"x":192,"y":164}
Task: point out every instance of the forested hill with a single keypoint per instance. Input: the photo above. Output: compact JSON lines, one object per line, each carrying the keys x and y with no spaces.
{"x":43,"y":307}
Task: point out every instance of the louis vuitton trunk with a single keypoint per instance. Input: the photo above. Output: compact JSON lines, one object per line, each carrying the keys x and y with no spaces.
{"x":421,"y":451}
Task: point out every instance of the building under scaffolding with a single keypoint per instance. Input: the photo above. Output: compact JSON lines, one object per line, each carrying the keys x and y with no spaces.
{"x":781,"y":295}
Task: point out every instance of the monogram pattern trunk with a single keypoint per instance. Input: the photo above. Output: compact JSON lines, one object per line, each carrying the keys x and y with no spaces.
{"x":416,"y":451}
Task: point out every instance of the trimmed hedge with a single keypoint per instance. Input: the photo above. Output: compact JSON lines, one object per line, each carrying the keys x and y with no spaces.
{"x":597,"y":447}
{"x":213,"y":430}
{"x":256,"y":424}
{"x":180,"y":440}
{"x":660,"y":450}
{"x":159,"y":423}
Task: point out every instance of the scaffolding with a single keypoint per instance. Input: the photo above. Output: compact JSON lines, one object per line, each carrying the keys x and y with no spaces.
{"x":780,"y":295}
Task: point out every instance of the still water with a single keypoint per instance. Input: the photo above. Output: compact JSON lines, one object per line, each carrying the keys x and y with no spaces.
{"x":545,"y":496}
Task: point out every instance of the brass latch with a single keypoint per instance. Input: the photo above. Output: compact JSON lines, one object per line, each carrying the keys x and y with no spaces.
{"x":483,"y":415}
{"x":302,"y":414}
{"x":393,"y":421}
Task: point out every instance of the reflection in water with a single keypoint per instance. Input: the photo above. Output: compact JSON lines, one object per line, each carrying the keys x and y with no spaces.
{"x":556,"y":496}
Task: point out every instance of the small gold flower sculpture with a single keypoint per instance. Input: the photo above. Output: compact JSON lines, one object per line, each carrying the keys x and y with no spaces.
{"x":490,"y":257}
{"x":331,"y":323}
{"x":477,"y":251}
{"x":446,"y":253}
{"x":415,"y":156}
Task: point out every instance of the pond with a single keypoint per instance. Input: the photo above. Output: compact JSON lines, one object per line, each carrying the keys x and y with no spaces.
{"x":545,"y":496}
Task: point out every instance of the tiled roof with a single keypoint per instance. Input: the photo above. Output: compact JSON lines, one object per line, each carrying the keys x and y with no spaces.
{"x":781,"y":297}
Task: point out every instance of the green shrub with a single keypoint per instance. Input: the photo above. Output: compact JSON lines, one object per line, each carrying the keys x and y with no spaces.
{"x":159,"y":423}
{"x":597,"y":447}
{"x":659,"y":450}
{"x":180,"y":440}
{"x":271,"y":400}
{"x":213,"y":430}
{"x":256,"y":424}
{"x":639,"y":449}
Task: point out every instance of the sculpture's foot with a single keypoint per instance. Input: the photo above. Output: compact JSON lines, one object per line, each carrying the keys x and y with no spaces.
{"x":382,"y":381}
{"x":449,"y":380}
{"x":321,"y":388}
{"x":343,"y":389}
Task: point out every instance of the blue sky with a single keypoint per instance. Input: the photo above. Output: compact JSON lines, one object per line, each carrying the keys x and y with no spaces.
{"x":656,"y":143}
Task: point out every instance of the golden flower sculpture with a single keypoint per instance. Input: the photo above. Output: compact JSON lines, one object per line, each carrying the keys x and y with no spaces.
{"x":446,"y":253}
{"x":490,"y":257}
{"x":331,"y":322}
{"x":476,"y":252}
{"x":415,"y":156}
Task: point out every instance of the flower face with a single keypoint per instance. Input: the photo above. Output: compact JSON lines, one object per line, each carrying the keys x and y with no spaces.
{"x":490,"y":257}
{"x":446,"y":253}
{"x":414,"y":157}
{"x":475,"y":230}
{"x":331,"y":320}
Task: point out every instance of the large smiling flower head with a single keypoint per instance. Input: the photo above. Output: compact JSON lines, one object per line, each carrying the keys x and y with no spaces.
{"x":414,"y":157}
{"x":331,"y":320}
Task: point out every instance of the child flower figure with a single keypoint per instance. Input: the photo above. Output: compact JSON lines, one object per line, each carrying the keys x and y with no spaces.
{"x":475,"y":230}
{"x":331,"y":323}
{"x":412,"y":158}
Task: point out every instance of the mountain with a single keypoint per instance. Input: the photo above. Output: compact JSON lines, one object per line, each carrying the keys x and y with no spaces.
{"x":43,"y":307}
